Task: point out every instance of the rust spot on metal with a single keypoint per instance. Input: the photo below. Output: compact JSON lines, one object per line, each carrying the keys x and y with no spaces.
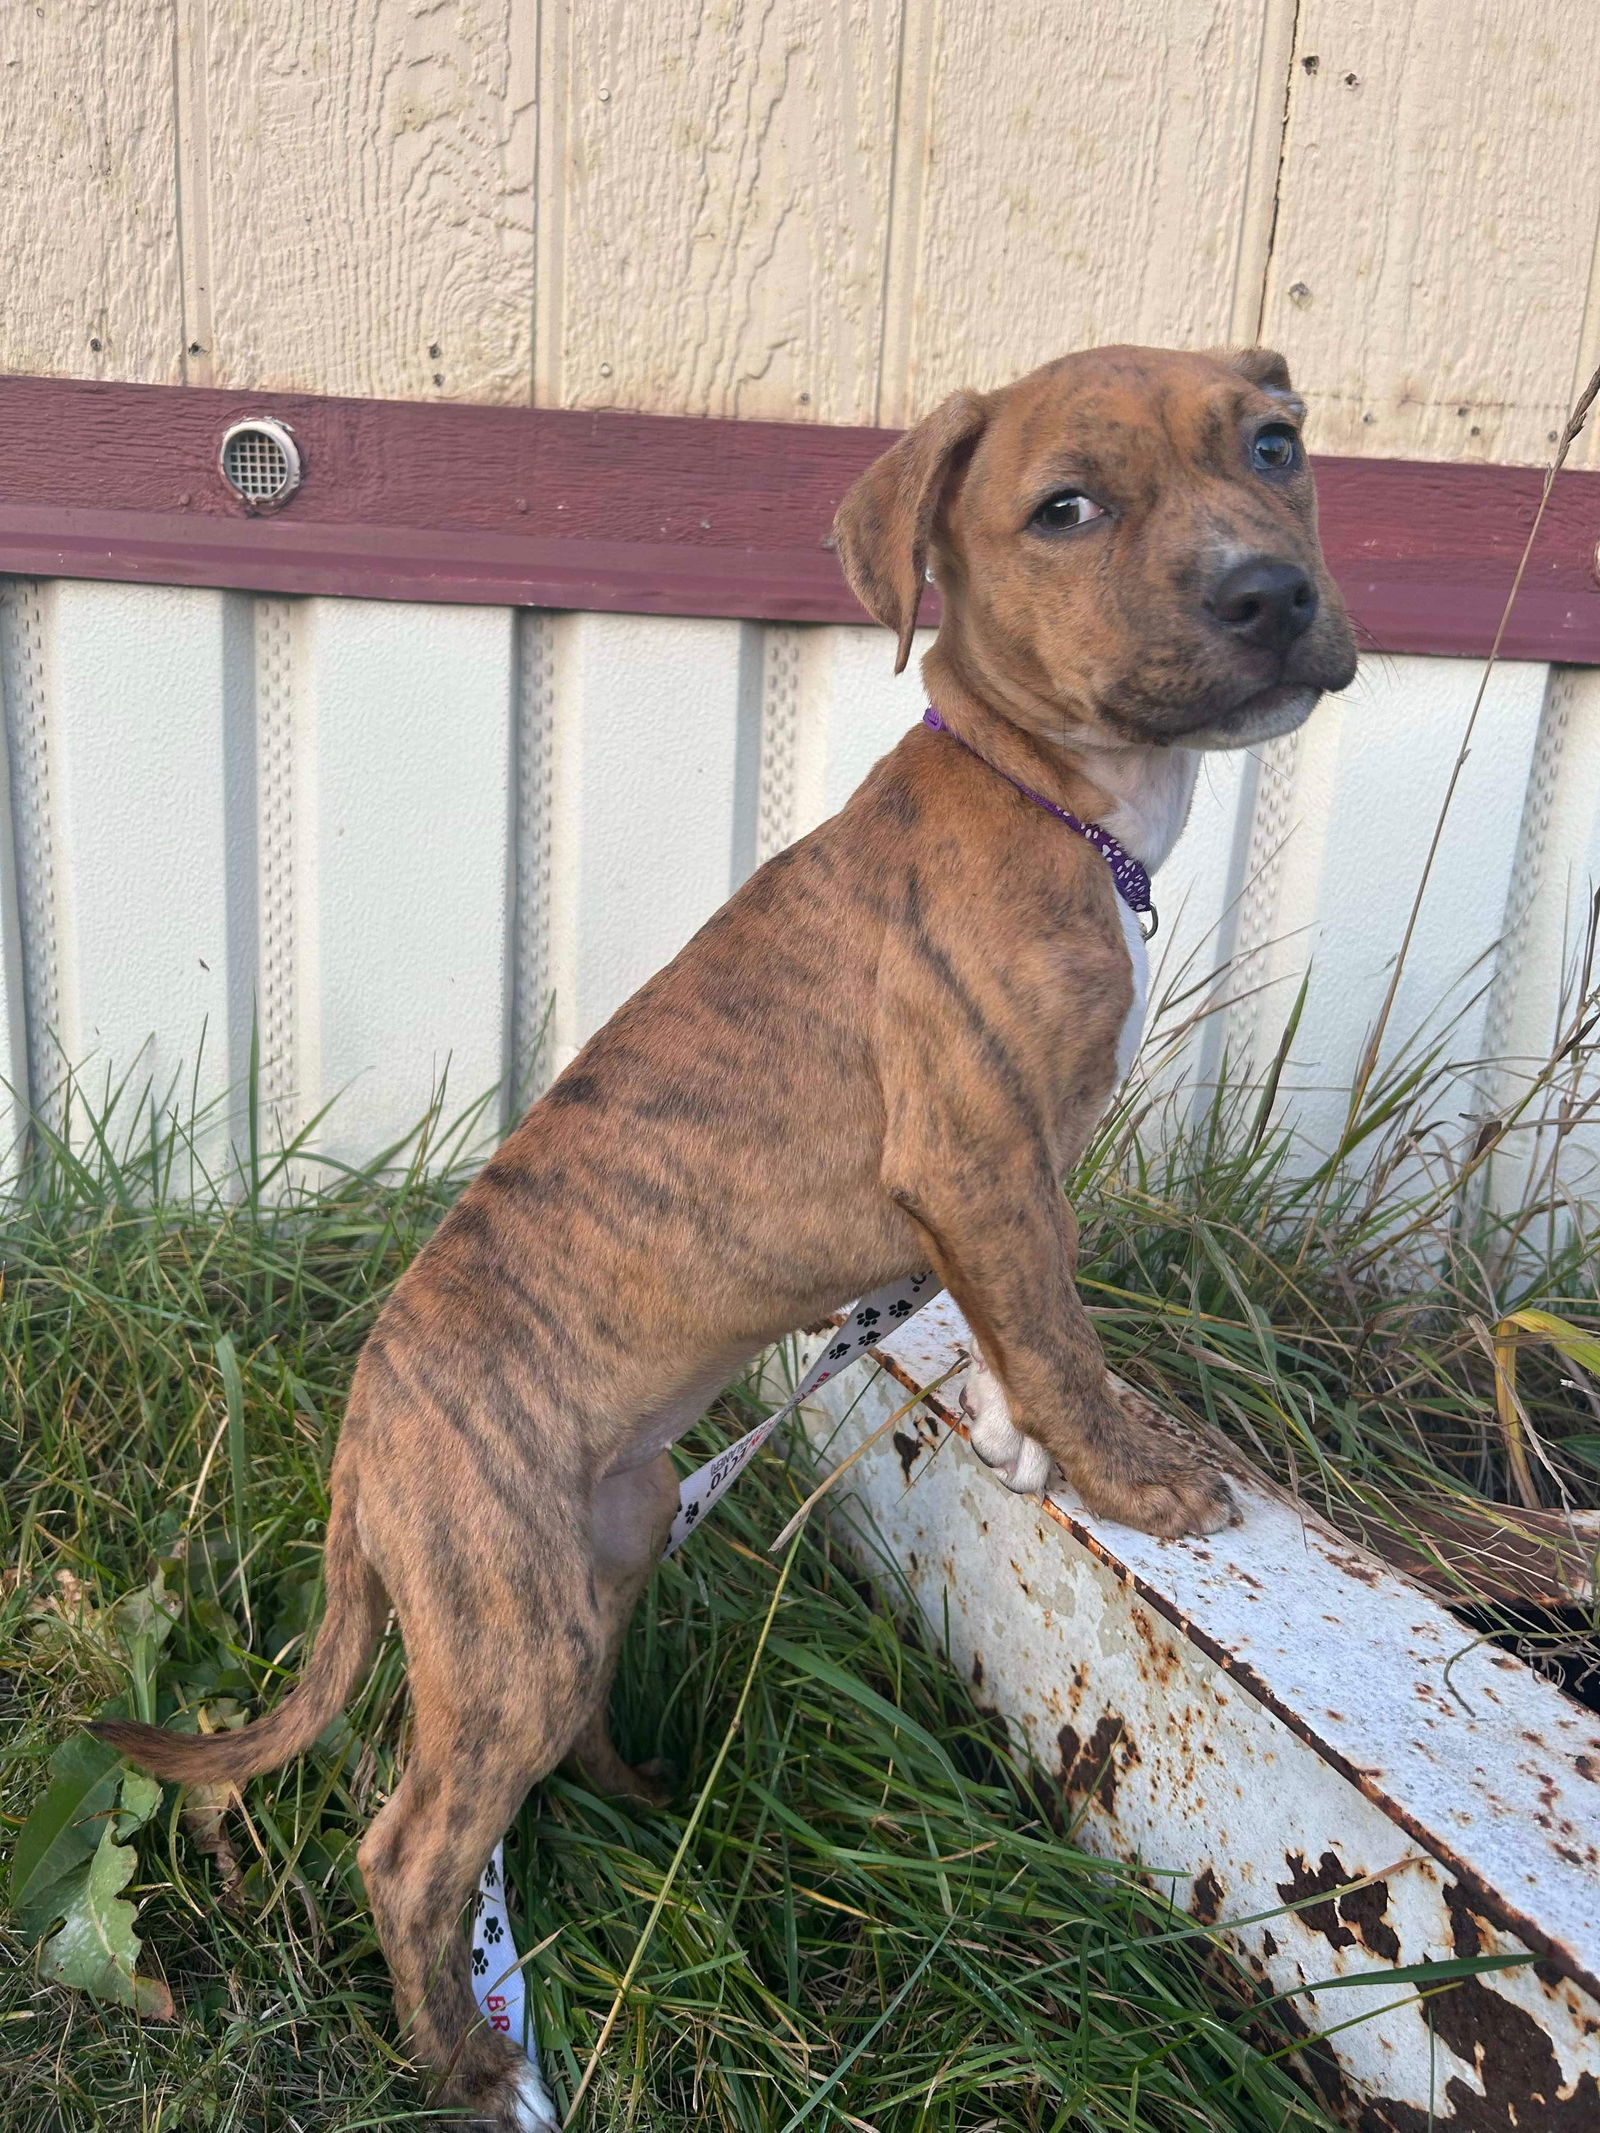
{"x":1363,"y":1910}
{"x":1515,"y":2064}
{"x":1343,"y":1921}
{"x":910,"y":1447}
{"x":1330,"y":1873}
{"x":1206,"y":1902}
{"x":1094,"y":1765}
{"x":977,"y":1671}
{"x":1352,"y":1566}
{"x":1162,"y":1661}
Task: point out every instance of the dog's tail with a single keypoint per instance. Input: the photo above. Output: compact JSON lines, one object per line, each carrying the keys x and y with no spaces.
{"x":356,"y":1610}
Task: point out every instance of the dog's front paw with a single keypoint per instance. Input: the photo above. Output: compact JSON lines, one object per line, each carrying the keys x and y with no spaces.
{"x":1020,"y":1462}
{"x":1181,"y":1500}
{"x":1144,"y":1476}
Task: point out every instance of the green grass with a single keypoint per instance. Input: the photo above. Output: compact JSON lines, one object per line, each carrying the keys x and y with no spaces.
{"x":881,"y":1922}
{"x":1330,"y":1311}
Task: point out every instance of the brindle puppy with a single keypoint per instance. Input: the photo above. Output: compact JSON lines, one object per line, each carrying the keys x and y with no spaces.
{"x":1126,"y":547}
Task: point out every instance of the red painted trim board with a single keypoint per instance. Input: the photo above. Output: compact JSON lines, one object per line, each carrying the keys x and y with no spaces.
{"x":653,"y":514}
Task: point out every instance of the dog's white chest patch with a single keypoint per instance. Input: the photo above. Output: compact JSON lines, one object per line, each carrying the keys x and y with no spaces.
{"x":1133,"y":1023}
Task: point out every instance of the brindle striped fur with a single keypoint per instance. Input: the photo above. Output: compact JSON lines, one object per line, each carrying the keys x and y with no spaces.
{"x":884,"y":1052}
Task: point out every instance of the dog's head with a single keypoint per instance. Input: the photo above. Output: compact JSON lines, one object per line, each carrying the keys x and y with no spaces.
{"x":1126,"y":547}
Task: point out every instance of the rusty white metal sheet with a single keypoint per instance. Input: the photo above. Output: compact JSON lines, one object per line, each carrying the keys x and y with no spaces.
{"x":1265,"y":1717}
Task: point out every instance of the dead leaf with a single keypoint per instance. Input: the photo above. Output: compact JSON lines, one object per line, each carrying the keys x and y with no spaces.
{"x":205,"y":1807}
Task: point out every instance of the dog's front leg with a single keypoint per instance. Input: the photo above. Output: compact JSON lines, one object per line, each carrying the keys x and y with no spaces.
{"x":968,"y":1155}
{"x":1003,"y":1242}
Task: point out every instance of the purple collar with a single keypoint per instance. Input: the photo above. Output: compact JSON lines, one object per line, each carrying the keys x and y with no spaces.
{"x":1132,"y":880}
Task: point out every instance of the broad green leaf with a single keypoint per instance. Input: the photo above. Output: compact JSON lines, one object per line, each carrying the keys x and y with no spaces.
{"x":143,"y":1618}
{"x":97,"y":1950}
{"x":62,"y":1832}
{"x":143,"y":1622}
{"x":141,"y":1796}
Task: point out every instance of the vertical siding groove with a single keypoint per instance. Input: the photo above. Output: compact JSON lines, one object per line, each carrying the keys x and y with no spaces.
{"x":1528,"y":869}
{"x":894,"y":390}
{"x":1256,"y":896}
{"x":191,"y":190}
{"x":533,"y":844}
{"x":23,"y":684}
{"x":553,"y":178}
{"x":1269,"y":147}
{"x":777,"y":814}
{"x":277,"y":1007}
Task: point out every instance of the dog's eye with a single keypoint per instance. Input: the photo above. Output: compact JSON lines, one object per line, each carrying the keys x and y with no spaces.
{"x":1276,"y":450}
{"x":1070,"y":508}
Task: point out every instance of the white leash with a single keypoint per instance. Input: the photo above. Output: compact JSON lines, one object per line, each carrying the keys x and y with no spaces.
{"x":498,"y":1981}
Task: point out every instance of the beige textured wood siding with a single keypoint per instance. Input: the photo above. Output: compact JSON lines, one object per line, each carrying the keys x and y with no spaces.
{"x":827,"y":210}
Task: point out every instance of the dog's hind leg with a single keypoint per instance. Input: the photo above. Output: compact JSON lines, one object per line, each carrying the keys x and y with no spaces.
{"x":633,"y":1513}
{"x":500,"y":1689}
{"x":421,"y":1861}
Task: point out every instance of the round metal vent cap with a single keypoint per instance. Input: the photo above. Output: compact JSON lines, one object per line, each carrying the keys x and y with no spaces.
{"x":260,"y":462}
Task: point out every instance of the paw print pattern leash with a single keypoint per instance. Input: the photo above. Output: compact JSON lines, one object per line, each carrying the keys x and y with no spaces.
{"x":498,"y":1982}
{"x":865,"y":1324}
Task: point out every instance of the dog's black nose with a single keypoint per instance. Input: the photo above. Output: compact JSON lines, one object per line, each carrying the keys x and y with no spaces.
{"x":1264,"y":603}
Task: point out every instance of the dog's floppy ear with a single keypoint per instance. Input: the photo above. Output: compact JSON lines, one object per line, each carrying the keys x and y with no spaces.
{"x":1262,"y":366}
{"x":881,"y":529}
{"x":1266,"y":368}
